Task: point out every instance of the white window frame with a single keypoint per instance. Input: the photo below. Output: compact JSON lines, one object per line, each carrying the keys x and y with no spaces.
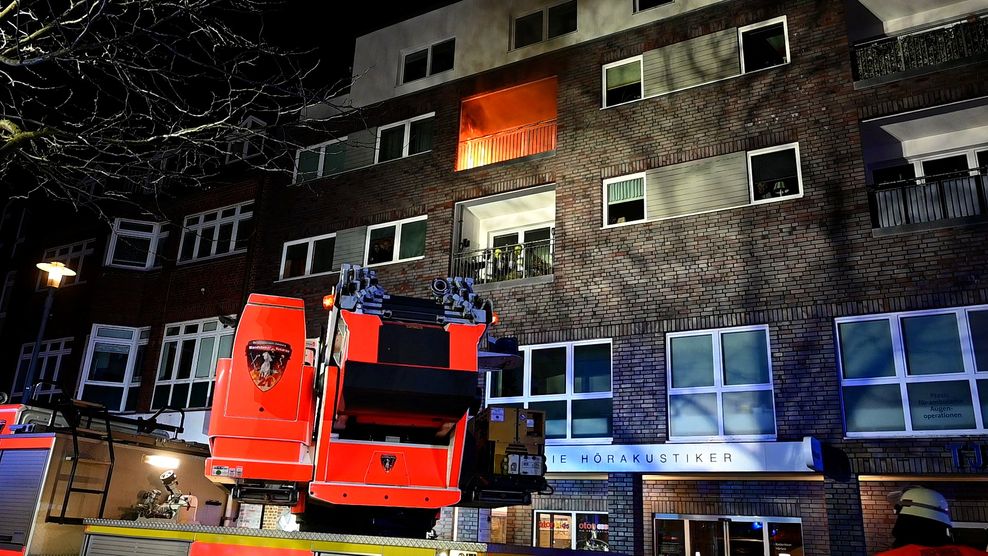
{"x":221,"y":331}
{"x":641,"y":79}
{"x":73,"y":255}
{"x":573,"y":529}
{"x":239,"y":216}
{"x":725,"y":520}
{"x":637,"y":9}
{"x":132,"y":374}
{"x":971,"y":153}
{"x":397,"y":224}
{"x":759,"y":25}
{"x":428,"y":60}
{"x":606,"y":203}
{"x":237,"y":148}
{"x":569,"y":396}
{"x":545,"y":24}
{"x":321,"y":170}
{"x":156,"y":237}
{"x":308,"y":257}
{"x":406,"y":141}
{"x":902,"y":378}
{"x":10,"y":279}
{"x":57,"y":348}
{"x":718,"y":387}
{"x":799,"y":173}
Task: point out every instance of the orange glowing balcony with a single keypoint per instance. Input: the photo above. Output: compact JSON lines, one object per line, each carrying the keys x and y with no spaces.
{"x":521,"y":141}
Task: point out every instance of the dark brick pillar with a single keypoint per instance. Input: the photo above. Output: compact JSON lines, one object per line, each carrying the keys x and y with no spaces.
{"x":844,"y":516}
{"x":626,"y":534}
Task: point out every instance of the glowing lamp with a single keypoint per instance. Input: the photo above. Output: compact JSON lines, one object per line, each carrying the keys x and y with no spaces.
{"x":495,"y":318}
{"x":55,"y":272}
{"x":162,"y":462}
{"x":328,"y":301}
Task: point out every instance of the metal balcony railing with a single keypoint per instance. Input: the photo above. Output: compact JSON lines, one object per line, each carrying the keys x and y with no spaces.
{"x":924,"y":49}
{"x":930,"y":201}
{"x":513,"y":143}
{"x":509,"y":262}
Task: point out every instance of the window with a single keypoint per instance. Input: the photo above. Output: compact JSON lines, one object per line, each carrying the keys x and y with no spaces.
{"x":774,"y":173}
{"x":970,"y":533}
{"x":764,"y":45}
{"x":648,"y":4}
{"x":720,"y":384}
{"x":570,"y":382}
{"x":405,"y":138}
{"x":218,"y":232}
{"x":686,"y":534}
{"x":545,"y":24}
{"x":52,"y":360}
{"x":324,"y":159}
{"x":188,"y":362}
{"x":135,"y":244}
{"x":73,"y":256}
{"x":625,"y":199}
{"x":623,"y":81}
{"x":248,"y":140}
{"x":112,"y":366}
{"x":921,"y":373}
{"x":428,"y":61}
{"x":307,"y":257}
{"x":571,"y":530}
{"x":7,"y":292}
{"x":395,"y":241}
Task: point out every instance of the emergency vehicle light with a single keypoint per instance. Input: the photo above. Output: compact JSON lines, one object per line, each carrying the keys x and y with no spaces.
{"x":328,"y":301}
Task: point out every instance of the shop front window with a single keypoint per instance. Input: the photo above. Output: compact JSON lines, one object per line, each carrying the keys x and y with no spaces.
{"x":571,"y":530}
{"x":677,"y":535}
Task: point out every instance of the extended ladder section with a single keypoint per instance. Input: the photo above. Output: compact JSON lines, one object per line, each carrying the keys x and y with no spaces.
{"x":79,"y":416}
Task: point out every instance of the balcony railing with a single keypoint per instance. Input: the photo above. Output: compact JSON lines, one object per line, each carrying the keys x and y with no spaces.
{"x":509,"y":262}
{"x":513,"y":143}
{"x":929,"y":202}
{"x":925,"y":49}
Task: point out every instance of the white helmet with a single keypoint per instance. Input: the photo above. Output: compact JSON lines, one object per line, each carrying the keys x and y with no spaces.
{"x":925,"y":503}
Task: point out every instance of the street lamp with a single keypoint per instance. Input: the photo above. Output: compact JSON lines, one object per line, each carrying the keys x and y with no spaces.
{"x":55,"y":271}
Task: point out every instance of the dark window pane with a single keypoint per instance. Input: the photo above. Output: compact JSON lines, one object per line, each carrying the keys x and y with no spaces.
{"x":670,"y":537}
{"x":322,"y":255}
{"x":109,"y":396}
{"x":528,"y":30}
{"x":873,"y":408}
{"x":764,"y":47}
{"x":949,"y":167}
{"x":937,"y":406}
{"x":785,"y":538}
{"x":933,"y":344}
{"x":591,"y":532}
{"x":746,"y":538}
{"x":200,"y":394}
{"x":646,"y":4}
{"x":631,"y":211}
{"x":983,"y":396}
{"x":894,"y":174}
{"x":592,"y":418}
{"x":205,"y":242}
{"x":188,"y":245}
{"x":392,"y":143}
{"x":131,"y":251}
{"x":692,"y":361}
{"x":416,"y":65}
{"x":774,"y":174}
{"x":555,"y":417}
{"x":223,"y":244}
{"x":421,"y":136}
{"x":295,"y":256}
{"x":308,"y":165}
{"x":508,"y":383}
{"x":548,"y":371}
{"x":167,"y":360}
{"x":866,"y":349}
{"x":442,"y":56}
{"x":186,"y":353}
{"x":979,"y":337}
{"x":180,"y":395}
{"x":335,"y":158}
{"x":382,"y":245}
{"x":745,"y":357}
{"x":160,"y":396}
{"x":592,"y":368}
{"x":412,"y":240}
{"x":245,"y":229}
{"x":133,"y":394}
{"x":562,"y":19}
{"x":109,"y":362}
{"x":707,"y":537}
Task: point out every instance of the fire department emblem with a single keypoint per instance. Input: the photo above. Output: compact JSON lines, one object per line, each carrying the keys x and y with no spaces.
{"x":388,"y":462}
{"x":266,"y":361}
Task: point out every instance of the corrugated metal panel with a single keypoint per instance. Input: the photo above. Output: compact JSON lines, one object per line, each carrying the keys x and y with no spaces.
{"x":21,"y":475}
{"x":690,"y":63}
{"x":102,"y":545}
{"x":360,"y":149}
{"x":349,"y":246}
{"x":697,"y":186}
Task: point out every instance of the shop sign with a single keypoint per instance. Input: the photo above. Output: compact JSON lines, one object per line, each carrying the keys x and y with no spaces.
{"x":727,"y":457}
{"x":970,"y":455}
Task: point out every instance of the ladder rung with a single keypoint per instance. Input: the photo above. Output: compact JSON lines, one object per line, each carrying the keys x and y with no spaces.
{"x":87,"y":490}
{"x":87,"y":460}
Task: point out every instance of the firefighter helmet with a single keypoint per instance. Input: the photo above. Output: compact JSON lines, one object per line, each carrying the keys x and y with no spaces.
{"x":925,"y":503}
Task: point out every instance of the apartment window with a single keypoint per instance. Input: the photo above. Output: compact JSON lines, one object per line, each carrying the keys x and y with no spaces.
{"x":405,"y":138}
{"x":7,"y":292}
{"x":217,"y":232}
{"x":774,"y":173}
{"x":395,"y":241}
{"x":73,"y":256}
{"x":52,"y":360}
{"x":428,"y":61}
{"x":764,"y":45}
{"x":570,"y":382}
{"x":715,"y":534}
{"x":324,"y":159}
{"x":188,"y":362}
{"x":625,"y":199}
{"x":545,"y":24}
{"x":136,"y":244}
{"x":720,"y":384}
{"x":112,"y":366}
{"x":308,"y":257}
{"x":248,"y":140}
{"x":571,"y":530}
{"x":623,"y":81}
{"x":648,"y":4}
{"x":920,"y":373}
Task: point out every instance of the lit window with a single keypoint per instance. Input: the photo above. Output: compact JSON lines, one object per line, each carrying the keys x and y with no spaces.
{"x":405,"y":138}
{"x":648,"y":4}
{"x":915,"y":374}
{"x":188,"y":362}
{"x":764,"y":45}
{"x":625,"y":199}
{"x":308,"y":257}
{"x":73,"y":256}
{"x":623,"y":81}
{"x":396,"y":241}
{"x":545,"y":24}
{"x":248,"y":140}
{"x":571,"y":530}
{"x":698,"y":534}
{"x":112,"y":366}
{"x":217,"y":232}
{"x":570,"y":382}
{"x":324,"y":159}
{"x":52,"y":360}
{"x":135,"y":244}
{"x":720,"y":384}
{"x":774,"y":173}
{"x":428,"y":61}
